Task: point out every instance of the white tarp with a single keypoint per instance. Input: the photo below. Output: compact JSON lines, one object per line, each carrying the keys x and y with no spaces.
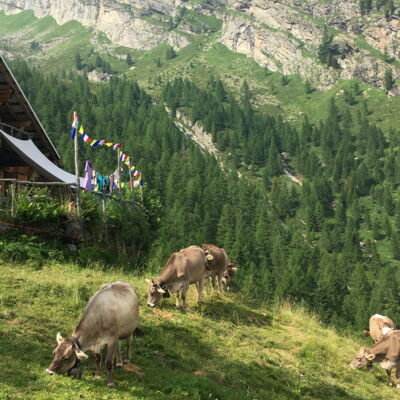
{"x":35,"y":158}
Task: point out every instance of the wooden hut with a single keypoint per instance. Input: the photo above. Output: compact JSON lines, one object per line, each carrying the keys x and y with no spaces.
{"x":19,"y":121}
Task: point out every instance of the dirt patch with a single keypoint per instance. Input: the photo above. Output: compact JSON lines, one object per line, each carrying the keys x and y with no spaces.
{"x":133,"y":369}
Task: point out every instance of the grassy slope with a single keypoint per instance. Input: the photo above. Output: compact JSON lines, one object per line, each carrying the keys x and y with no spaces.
{"x":221,"y":350}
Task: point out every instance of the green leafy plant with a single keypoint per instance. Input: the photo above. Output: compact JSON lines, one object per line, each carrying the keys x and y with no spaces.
{"x":35,"y":205}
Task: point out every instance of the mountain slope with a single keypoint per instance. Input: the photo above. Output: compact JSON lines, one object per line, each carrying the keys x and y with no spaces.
{"x":221,"y":350}
{"x":321,"y":41}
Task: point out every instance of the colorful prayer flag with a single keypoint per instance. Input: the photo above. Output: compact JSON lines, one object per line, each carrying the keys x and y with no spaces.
{"x":116,"y":146}
{"x":86,"y":138}
{"x":95,"y":143}
{"x":81,"y":130}
{"x":75,"y":123}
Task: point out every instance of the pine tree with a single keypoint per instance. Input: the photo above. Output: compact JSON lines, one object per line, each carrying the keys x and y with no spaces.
{"x":388,"y":80}
{"x":78,"y":62}
{"x":396,"y":244}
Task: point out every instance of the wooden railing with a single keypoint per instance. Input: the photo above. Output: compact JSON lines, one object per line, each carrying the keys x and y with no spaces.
{"x":13,"y":131}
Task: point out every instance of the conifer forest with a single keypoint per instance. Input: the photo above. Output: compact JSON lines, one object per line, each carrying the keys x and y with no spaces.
{"x":329,"y":241}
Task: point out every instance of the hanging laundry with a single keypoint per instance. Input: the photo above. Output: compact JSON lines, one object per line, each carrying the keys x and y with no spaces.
{"x":102,"y":183}
{"x":87,"y":183}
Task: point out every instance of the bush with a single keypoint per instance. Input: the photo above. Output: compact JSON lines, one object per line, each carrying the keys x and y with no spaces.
{"x":36,"y":205}
{"x":22,"y":248}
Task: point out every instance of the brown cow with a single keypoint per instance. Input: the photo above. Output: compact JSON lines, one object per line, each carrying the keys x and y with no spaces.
{"x":110,"y":315}
{"x":220,"y":267}
{"x":183,"y":268}
{"x":379,"y":326}
{"x":386,"y":353}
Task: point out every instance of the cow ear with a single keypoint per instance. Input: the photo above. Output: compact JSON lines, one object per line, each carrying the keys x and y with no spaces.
{"x":166,"y":295}
{"x":159,"y":290}
{"x":370,"y":357}
{"x":59,"y":338}
{"x":81,"y":355}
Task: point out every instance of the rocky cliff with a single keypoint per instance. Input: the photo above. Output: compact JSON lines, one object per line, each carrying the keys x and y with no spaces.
{"x":283,"y":35}
{"x":124,"y":22}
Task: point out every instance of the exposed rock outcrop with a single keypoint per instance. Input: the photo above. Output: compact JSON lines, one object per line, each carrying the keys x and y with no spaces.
{"x":285,"y":36}
{"x":124,"y":22}
{"x":282,"y":35}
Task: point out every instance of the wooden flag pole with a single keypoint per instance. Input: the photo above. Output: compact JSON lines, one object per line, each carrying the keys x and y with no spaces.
{"x":131,"y":183}
{"x":119,"y":173}
{"x":78,"y":184}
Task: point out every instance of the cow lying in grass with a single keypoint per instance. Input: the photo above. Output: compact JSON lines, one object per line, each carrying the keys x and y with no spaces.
{"x":379,"y":326}
{"x":110,"y":315}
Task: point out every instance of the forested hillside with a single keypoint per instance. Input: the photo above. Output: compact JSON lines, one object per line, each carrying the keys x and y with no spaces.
{"x":331,"y":243}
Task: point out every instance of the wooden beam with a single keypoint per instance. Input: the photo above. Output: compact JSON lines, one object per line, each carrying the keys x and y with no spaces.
{"x":5,"y":94}
{"x":10,"y":110}
{"x":20,"y":124}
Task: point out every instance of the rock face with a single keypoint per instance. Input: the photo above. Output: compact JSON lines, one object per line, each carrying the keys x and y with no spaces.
{"x":124,"y":21}
{"x":285,"y":36}
{"x":282,"y":35}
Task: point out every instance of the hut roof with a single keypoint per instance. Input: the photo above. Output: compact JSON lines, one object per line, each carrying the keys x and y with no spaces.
{"x":17,"y":117}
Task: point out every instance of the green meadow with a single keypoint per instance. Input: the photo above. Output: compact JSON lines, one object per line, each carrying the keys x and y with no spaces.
{"x":223,"y":349}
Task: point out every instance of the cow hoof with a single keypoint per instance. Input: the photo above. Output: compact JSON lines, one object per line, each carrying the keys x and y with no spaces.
{"x":398,"y":386}
{"x":119,"y":365}
{"x":97,"y":376}
{"x":110,"y":384}
{"x":127,"y":360}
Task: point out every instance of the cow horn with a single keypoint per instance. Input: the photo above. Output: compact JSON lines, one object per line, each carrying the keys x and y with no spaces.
{"x":160,"y":290}
{"x":59,"y":338}
{"x":81,"y":355}
{"x":209,"y":257}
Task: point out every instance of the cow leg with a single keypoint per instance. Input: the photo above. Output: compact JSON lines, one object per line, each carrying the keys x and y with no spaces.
{"x":185,"y":288}
{"x":177,"y":299}
{"x":219,"y":280}
{"x":97,"y":357}
{"x":127,"y":357}
{"x":112,"y":351}
{"x":397,"y":376}
{"x":118,"y":357}
{"x":213,"y":283}
{"x":389,"y":380}
{"x":199,"y":287}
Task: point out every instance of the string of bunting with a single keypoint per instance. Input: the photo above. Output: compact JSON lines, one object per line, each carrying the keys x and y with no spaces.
{"x":96,"y":142}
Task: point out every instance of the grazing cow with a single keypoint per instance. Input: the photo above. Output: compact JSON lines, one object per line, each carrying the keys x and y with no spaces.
{"x":110,"y":315}
{"x":379,"y":326}
{"x":386,"y":353}
{"x":228,"y":276}
{"x":220,"y":267}
{"x":183,"y":268}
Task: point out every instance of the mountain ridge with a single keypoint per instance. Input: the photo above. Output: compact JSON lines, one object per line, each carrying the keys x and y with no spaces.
{"x":281,"y":36}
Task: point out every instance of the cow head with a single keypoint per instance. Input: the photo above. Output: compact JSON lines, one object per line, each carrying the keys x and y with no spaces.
{"x":66,"y":355}
{"x":155,"y":292}
{"x":228,"y":275}
{"x":362,"y":359}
